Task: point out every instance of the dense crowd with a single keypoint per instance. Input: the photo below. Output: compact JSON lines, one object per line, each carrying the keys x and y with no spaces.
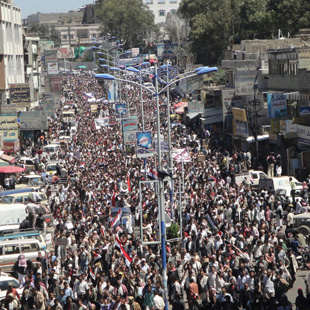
{"x":237,"y":249}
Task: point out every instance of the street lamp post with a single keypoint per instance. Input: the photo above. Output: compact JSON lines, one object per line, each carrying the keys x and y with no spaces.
{"x":161,"y":202}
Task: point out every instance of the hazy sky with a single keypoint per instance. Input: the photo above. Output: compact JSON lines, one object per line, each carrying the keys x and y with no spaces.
{"x":48,"y":6}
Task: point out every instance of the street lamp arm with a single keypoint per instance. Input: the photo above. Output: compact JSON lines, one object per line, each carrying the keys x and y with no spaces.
{"x":111,"y":77}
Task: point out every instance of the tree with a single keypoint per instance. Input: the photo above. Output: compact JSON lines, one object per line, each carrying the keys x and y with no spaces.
{"x":43,"y":32}
{"x":127,"y":20}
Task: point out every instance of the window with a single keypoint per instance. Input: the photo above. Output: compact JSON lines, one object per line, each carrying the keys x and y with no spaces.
{"x":1,"y":250}
{"x":149,"y":1}
{"x":31,"y":247}
{"x":162,"y":13}
{"x":11,"y":249}
{"x":64,"y":37}
{"x":18,"y":200}
{"x":173,"y":12}
{"x":173,"y":1}
{"x":161,"y":1}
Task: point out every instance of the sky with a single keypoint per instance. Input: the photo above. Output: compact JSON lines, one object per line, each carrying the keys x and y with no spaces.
{"x":48,"y":6}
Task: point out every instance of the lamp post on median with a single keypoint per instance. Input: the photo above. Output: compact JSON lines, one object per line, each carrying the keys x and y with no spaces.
{"x":161,"y":202}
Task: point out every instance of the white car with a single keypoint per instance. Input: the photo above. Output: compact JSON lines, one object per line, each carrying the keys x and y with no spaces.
{"x":5,"y":281}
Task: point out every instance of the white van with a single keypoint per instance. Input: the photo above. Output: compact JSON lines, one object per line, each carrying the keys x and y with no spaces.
{"x":279,"y":183}
{"x":10,"y":250}
{"x":51,"y":148}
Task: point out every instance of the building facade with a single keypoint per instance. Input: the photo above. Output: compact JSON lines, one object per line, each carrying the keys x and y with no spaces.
{"x":160,"y":9}
{"x":11,"y":48}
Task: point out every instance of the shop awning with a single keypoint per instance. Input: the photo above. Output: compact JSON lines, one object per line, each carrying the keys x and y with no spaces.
{"x":251,"y":139}
{"x":193,"y":114}
{"x":11,"y":169}
{"x":3,"y":163}
{"x":7,"y":158}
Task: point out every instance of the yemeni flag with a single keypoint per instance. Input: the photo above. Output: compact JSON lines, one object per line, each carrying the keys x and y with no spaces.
{"x":128,"y":259}
{"x":102,"y":231}
{"x":113,"y":200}
{"x":117,"y":219}
{"x":128,"y":184}
{"x":91,"y":273}
{"x":82,"y":165}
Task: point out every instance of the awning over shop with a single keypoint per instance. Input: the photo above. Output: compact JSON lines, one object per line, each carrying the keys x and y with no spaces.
{"x":251,"y":139}
{"x":11,"y":169}
{"x":193,"y":114}
{"x":3,"y":163}
{"x":7,"y":158}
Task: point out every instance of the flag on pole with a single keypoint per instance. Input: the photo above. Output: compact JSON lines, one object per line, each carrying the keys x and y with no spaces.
{"x":91,"y":273}
{"x":128,"y":184}
{"x":117,"y":219}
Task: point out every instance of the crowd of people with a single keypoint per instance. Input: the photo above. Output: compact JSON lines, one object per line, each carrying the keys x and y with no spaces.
{"x":236,"y":251}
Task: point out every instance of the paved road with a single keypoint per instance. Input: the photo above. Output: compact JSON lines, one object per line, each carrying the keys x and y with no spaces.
{"x":292,"y":293}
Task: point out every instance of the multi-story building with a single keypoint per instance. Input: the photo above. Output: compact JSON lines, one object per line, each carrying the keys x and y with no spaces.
{"x":11,"y":48}
{"x":32,"y":67}
{"x":160,"y":9}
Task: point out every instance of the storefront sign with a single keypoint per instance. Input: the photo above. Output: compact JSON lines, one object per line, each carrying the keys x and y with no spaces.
{"x":52,"y":68}
{"x":239,"y":114}
{"x":245,"y":75}
{"x":20,"y":93}
{"x":304,"y":111}
{"x":32,"y":120}
{"x":277,"y":107}
{"x":303,"y":134}
{"x":9,"y":127}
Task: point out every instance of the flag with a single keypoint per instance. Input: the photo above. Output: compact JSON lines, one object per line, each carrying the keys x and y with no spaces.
{"x":117,"y":244}
{"x":128,"y":259}
{"x":91,"y":273}
{"x":128,"y":184}
{"x":210,"y":222}
{"x":117,"y":219}
{"x":82,"y":165}
{"x":96,"y":256}
{"x":180,"y":155}
{"x":102,"y":231}
{"x":153,"y":174}
{"x":113,"y":200}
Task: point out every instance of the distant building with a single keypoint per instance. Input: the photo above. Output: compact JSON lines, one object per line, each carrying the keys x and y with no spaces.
{"x":11,"y":48}
{"x":161,"y":8}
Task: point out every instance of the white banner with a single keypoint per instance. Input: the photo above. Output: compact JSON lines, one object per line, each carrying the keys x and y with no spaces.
{"x":180,"y":155}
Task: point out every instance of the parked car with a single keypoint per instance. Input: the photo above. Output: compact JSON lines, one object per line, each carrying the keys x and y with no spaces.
{"x":31,"y":180}
{"x":301,"y":222}
{"x":5,"y":282}
{"x":11,"y":249}
{"x":22,"y":198}
{"x":28,"y":162}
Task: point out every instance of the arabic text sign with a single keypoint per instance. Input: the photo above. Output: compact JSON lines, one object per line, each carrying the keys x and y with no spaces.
{"x":32,"y":120}
{"x":144,"y":144}
{"x":303,"y":134}
{"x":130,"y":124}
{"x":277,"y":107}
{"x":245,"y":75}
{"x":8,"y":127}
{"x":19,"y":93}
{"x":65,"y":52}
{"x":52,"y":68}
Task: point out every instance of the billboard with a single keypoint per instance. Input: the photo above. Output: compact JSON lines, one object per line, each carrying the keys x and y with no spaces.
{"x":229,"y":101}
{"x":240,"y":128}
{"x":277,"y":106}
{"x":195,"y":106}
{"x":304,"y":111}
{"x":113,"y":90}
{"x":20,"y":93}
{"x":50,"y":56}
{"x":189,"y":85}
{"x":245,"y":75}
{"x":52,"y":67}
{"x":130,"y":126}
{"x":8,"y":109}
{"x":167,"y":50}
{"x":46,"y":45}
{"x":65,"y":52}
{"x":303,"y":133}
{"x":239,"y":114}
{"x":120,"y":111}
{"x":144,"y":144}
{"x":55,"y":83}
{"x":32,"y":120}
{"x":9,"y":127}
